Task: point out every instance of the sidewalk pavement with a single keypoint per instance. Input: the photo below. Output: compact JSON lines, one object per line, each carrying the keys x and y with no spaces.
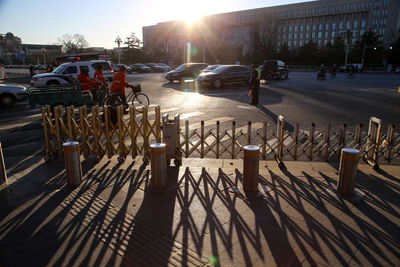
{"x":203,"y":218}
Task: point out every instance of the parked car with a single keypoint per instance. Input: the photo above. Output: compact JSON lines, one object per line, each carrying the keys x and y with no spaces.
{"x":210,"y":68}
{"x":276,"y":68}
{"x":39,"y":67}
{"x":116,"y":67}
{"x":187,"y":70}
{"x":9,"y":94}
{"x":154,"y":67}
{"x":356,"y":67}
{"x":65,"y":73}
{"x":226,"y":74}
{"x":139,"y":68}
{"x":164,"y":66}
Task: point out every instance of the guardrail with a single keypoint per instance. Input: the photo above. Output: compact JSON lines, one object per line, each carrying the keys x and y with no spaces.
{"x":131,"y":135}
{"x":283,"y":145}
{"x":107,"y":134}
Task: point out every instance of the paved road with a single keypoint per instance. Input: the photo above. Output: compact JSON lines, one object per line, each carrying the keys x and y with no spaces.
{"x":300,"y":99}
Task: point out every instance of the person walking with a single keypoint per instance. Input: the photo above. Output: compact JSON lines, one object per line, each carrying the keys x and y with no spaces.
{"x":333,"y":71}
{"x":31,"y":70}
{"x":254,"y":82}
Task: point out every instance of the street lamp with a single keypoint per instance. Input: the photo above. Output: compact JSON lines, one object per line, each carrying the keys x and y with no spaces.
{"x":44,"y":50}
{"x":119,"y":41}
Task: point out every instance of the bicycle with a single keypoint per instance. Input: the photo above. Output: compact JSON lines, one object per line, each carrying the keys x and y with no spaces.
{"x":135,"y":96}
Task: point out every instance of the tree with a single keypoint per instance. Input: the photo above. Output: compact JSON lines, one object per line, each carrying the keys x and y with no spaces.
{"x":284,"y":53}
{"x":368,"y":45}
{"x":134,"y":47}
{"x":394,"y":52}
{"x":72,"y":43}
{"x":308,"y":54}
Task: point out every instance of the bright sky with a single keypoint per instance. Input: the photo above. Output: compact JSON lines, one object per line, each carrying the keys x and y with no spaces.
{"x":101,"y":21}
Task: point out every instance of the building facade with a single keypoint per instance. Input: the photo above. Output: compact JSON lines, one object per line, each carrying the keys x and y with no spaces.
{"x":293,"y":25}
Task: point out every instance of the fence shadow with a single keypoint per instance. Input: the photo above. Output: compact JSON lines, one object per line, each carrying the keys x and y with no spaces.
{"x":203,"y":217}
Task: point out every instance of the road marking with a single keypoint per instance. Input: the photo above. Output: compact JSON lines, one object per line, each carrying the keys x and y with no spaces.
{"x":15,"y":125}
{"x":210,"y":122}
{"x":192,"y":114}
{"x":246,"y":107}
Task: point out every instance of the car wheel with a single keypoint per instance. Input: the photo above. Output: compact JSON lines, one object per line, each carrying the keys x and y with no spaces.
{"x":281,"y":76}
{"x":7,"y":101}
{"x":217,"y":84}
{"x":53,"y":83}
{"x":171,"y":80}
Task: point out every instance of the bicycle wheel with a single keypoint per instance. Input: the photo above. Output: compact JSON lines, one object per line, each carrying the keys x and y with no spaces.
{"x":140,"y":100}
{"x":114,"y":100}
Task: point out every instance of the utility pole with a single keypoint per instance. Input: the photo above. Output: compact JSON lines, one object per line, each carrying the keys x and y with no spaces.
{"x":119,"y":41}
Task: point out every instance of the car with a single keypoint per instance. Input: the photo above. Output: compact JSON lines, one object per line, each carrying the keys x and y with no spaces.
{"x":9,"y":94}
{"x":164,"y":66}
{"x":276,"y":68}
{"x":210,"y":68}
{"x":154,"y":67}
{"x":65,"y":73}
{"x":187,"y":70}
{"x":226,"y":74}
{"x":116,"y":67}
{"x":139,"y":68}
{"x":39,"y":67}
{"x":356,"y":67}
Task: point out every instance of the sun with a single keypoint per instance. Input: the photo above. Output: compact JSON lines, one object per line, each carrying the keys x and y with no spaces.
{"x":192,"y":17}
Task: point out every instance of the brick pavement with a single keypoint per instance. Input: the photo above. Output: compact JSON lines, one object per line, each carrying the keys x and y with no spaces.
{"x":203,"y":218}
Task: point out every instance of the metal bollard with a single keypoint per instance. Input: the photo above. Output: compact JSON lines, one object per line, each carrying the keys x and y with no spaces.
{"x":3,"y":172}
{"x":158,"y":165}
{"x":348,"y":170}
{"x":250,"y":168}
{"x":73,"y":165}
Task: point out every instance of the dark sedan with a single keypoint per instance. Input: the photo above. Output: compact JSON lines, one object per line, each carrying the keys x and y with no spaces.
{"x":226,"y":74}
{"x":140,"y":68}
{"x":154,"y":67}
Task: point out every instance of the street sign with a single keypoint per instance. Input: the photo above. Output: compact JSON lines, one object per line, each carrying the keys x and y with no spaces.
{"x":20,"y":56}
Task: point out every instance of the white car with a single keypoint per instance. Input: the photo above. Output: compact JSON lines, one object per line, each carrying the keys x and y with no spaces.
{"x":65,"y":73}
{"x":10,"y":93}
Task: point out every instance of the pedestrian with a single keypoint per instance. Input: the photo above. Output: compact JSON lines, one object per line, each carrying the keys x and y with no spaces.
{"x":254,"y":82}
{"x":98,"y":75}
{"x":119,"y":83}
{"x":333,"y":71}
{"x":31,"y":70}
{"x":48,"y":68}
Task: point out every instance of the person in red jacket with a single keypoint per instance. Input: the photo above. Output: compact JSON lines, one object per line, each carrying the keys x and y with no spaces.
{"x":98,"y":75}
{"x":119,"y":83}
{"x":87,"y":83}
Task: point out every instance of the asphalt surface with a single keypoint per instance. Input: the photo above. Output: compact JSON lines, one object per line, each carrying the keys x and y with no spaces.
{"x":301,"y":99}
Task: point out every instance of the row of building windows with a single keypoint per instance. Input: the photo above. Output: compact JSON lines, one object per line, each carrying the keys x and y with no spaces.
{"x":360,"y":7}
{"x":332,"y":9}
{"x":348,"y":17}
{"x":320,"y":35}
{"x":326,"y":26}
